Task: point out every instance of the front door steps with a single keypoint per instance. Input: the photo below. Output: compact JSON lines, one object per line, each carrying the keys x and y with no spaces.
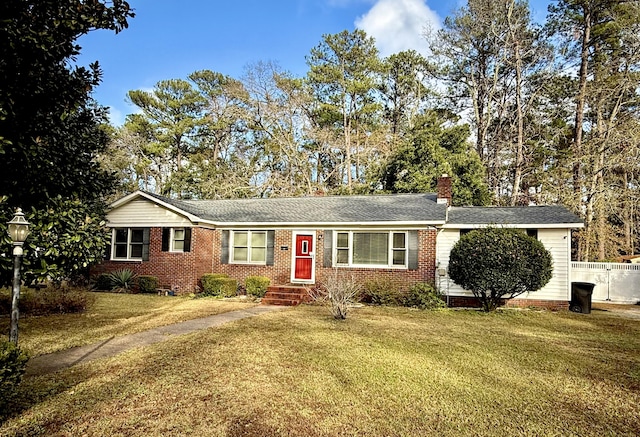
{"x":286,"y":295}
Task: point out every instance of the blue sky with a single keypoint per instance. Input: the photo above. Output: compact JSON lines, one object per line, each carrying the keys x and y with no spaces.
{"x":169,"y":39}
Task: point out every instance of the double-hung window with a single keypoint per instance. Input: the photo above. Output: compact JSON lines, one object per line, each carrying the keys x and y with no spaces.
{"x":248,"y":247}
{"x":177,"y":239}
{"x":128,"y":243}
{"x":371,"y":249}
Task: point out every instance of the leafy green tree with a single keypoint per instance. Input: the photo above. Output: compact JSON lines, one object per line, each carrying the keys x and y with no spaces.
{"x":436,"y":146}
{"x":49,"y":127}
{"x":499,"y":263}
{"x":50,"y":130}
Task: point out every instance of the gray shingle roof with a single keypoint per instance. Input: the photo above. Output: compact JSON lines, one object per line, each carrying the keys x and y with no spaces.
{"x":525,"y":215}
{"x":415,"y":208}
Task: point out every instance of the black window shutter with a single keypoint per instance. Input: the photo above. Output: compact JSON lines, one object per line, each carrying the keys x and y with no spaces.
{"x":107,"y":250}
{"x":224,"y":256}
{"x":413,"y":250}
{"x":328,"y":249}
{"x":146,"y":234}
{"x":187,"y":240}
{"x":166,"y":235}
{"x":270,"y":242}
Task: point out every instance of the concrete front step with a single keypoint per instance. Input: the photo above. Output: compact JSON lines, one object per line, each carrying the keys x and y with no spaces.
{"x":286,"y":295}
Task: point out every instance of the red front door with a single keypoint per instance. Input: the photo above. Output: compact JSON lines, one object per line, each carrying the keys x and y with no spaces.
{"x":304,"y":258}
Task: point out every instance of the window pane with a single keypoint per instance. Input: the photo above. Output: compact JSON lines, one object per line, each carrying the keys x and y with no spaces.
{"x":342,"y":256}
{"x":399,"y":257}
{"x":240,"y":253}
{"x":258,"y":239}
{"x":258,"y":255}
{"x":399,"y":241}
{"x":343,"y":240}
{"x":178,"y":245}
{"x":240,"y":239}
{"x":370,"y":248}
{"x":121,"y":235}
{"x":136,"y":251}
{"x":178,"y":234}
{"x":121,"y":251}
{"x":137,"y":235}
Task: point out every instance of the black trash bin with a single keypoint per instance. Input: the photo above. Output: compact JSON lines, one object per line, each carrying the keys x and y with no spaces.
{"x":581,"y":293}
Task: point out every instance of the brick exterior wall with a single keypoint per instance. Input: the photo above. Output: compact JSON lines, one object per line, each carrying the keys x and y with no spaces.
{"x":472,"y":302}
{"x":179,"y":271}
{"x":182,"y":271}
{"x":280,"y":271}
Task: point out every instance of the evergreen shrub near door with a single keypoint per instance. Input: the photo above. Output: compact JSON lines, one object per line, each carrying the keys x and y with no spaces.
{"x":499,"y":263}
{"x":257,"y":285}
{"x":218,"y":284}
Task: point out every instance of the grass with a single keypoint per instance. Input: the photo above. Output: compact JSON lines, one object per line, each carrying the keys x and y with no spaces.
{"x":112,"y":315}
{"x":382,"y":372}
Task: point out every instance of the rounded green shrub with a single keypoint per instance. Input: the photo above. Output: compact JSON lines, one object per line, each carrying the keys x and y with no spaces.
{"x":12,"y":366}
{"x":218,"y":284}
{"x":147,"y":284}
{"x":257,"y":285}
{"x":499,"y":263}
{"x":424,"y":296}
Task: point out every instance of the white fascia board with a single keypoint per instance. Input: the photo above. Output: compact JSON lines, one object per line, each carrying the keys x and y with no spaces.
{"x":514,"y":225}
{"x":136,"y":194}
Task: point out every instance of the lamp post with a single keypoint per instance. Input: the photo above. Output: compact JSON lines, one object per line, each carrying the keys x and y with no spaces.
{"x":18,"y":229}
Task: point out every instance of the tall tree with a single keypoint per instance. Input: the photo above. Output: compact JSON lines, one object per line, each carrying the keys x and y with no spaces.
{"x":172,"y":112}
{"x":344,"y":73}
{"x":437,"y":145}
{"x":49,"y":127}
{"x":604,"y":48}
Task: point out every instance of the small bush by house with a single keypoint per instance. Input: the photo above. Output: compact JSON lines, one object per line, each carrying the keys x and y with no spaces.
{"x":101,"y":282}
{"x":257,"y":285}
{"x":218,"y":284}
{"x":381,"y":292}
{"x":12,"y":366}
{"x":424,"y":296}
{"x":147,"y":284}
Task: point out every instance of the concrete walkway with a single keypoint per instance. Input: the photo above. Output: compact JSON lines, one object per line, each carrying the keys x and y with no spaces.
{"x":49,"y":363}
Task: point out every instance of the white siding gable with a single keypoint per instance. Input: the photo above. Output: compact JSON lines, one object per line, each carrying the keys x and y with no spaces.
{"x":557,"y":241}
{"x":142,"y":212}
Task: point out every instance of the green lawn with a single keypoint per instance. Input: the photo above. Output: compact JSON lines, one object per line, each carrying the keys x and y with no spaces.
{"x":112,"y":315}
{"x":382,"y":372}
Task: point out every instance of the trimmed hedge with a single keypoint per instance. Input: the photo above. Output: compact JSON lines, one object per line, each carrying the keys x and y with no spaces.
{"x":219,"y":284}
{"x":257,"y":285}
{"x":147,"y":284}
{"x":102,"y":282}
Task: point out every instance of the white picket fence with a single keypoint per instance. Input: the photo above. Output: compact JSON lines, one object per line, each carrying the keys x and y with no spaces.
{"x":615,"y":282}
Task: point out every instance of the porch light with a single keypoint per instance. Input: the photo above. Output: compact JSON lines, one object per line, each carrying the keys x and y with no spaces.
{"x":18,"y":229}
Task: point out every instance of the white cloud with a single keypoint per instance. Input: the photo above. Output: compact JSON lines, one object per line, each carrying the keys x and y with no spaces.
{"x":399,"y":25}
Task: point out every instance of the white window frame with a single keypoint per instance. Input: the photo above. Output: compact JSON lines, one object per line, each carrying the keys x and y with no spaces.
{"x":129,"y":244}
{"x":172,"y":239}
{"x":390,"y":249}
{"x":232,"y":246}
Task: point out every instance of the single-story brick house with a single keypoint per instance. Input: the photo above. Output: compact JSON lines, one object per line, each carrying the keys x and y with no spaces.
{"x":405,"y":238}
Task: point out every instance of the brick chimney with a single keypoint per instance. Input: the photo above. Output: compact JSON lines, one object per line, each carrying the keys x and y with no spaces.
{"x":444,"y":189}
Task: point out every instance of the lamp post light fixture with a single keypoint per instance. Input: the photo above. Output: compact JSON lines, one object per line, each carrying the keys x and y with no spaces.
{"x":18,"y":229}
